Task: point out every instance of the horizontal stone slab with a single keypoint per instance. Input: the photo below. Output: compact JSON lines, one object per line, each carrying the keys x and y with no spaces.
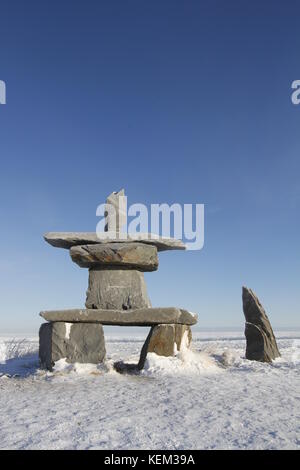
{"x":69,"y":239}
{"x":124,"y":255}
{"x":138,"y":317}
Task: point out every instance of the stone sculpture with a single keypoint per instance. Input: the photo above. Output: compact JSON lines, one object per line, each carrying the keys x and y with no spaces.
{"x":116,"y":295}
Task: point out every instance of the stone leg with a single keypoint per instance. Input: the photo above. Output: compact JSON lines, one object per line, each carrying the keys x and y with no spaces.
{"x":165,"y":340}
{"x":116,"y":289}
{"x":76,"y":342}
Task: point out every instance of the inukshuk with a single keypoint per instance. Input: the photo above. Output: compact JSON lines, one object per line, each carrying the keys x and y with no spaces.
{"x":116,"y":295}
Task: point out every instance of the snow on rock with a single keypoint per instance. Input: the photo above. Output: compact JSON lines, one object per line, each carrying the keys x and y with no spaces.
{"x":68,"y":330}
{"x":193,"y":314}
{"x":229,"y":357}
{"x":185,"y":361}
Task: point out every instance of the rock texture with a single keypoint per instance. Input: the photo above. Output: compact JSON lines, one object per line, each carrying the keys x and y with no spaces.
{"x":69,"y":239}
{"x":261,"y":342}
{"x":165,"y":340}
{"x":80,"y":342}
{"x":165,"y":336}
{"x":117,"y":218}
{"x":137,"y":256}
{"x":116,"y":289}
{"x":116,"y":294}
{"x":139,"y":317}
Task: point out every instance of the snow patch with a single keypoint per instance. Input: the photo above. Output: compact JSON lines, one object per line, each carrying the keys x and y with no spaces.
{"x":68,"y":330}
{"x":177,"y":403}
{"x":2,"y":353}
{"x":184,"y":341}
{"x":229,"y":358}
{"x":187,"y":361}
{"x":63,"y":367}
{"x":193,"y":314}
{"x":16,"y":348}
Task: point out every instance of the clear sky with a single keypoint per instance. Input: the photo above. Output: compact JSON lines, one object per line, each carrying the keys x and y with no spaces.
{"x":174,"y":100}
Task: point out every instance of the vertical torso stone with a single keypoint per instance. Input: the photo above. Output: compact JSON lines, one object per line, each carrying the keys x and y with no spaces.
{"x":116,"y":289}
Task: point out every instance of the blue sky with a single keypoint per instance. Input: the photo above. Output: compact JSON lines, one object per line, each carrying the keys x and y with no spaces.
{"x":176,"y":101}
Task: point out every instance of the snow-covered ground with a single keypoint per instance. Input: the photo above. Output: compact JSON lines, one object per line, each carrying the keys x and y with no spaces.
{"x":210,"y":398}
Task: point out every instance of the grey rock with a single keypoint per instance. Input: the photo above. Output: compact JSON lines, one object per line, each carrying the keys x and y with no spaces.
{"x":126,"y":368}
{"x":261,"y":342}
{"x":116,"y":218}
{"x":165,"y":340}
{"x":69,"y":239}
{"x":137,"y":256}
{"x":78,"y":342}
{"x":139,"y":317}
{"x":116,"y":289}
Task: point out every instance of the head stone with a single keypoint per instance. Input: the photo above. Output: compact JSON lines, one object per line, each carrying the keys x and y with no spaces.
{"x":115,"y":212}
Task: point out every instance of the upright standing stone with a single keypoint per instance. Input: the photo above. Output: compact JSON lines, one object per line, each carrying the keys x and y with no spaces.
{"x":261,"y":342}
{"x":75,"y":342}
{"x":165,"y":340}
{"x":116,"y":289}
{"x":116,"y":211}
